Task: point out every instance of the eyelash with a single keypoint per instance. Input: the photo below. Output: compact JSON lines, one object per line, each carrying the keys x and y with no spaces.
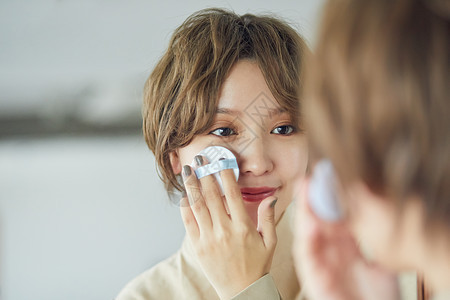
{"x":233,"y":131}
{"x":290,"y":127}
{"x":223,"y":128}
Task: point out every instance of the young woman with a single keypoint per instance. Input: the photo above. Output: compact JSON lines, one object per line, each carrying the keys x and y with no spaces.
{"x":232,"y":81}
{"x":378,"y":109}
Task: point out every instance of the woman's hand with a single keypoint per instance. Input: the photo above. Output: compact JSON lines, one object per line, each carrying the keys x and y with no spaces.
{"x":330,"y":264}
{"x":231,"y":251}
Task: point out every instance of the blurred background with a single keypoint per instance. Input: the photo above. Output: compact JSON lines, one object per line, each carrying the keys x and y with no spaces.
{"x":82,"y":210}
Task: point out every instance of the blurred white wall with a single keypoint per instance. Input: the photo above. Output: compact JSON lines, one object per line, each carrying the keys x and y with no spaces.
{"x":61,"y":46}
{"x":81,"y":216}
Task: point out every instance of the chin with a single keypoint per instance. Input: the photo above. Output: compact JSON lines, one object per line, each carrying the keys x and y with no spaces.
{"x":252,"y":211}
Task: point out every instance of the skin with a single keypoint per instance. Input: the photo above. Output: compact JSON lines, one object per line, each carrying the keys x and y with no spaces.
{"x":329,"y":258}
{"x":235,"y":239}
{"x":273,"y":160}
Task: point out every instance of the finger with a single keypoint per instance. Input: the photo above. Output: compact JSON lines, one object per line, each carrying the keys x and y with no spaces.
{"x":307,"y":237}
{"x":308,"y":225}
{"x":307,"y":221}
{"x":233,"y":196}
{"x":190,"y":224}
{"x":266,"y":221}
{"x":196,"y":200}
{"x":212,"y":195}
{"x":314,"y":232}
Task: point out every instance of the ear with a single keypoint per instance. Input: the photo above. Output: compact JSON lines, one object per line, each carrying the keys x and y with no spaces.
{"x":175,"y":162}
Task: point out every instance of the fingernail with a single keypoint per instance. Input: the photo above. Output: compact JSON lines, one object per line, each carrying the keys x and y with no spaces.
{"x":186,"y":171}
{"x":198,"y":160}
{"x":273,"y":203}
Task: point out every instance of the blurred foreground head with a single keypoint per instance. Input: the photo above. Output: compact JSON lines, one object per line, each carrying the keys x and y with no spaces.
{"x":378,"y":98}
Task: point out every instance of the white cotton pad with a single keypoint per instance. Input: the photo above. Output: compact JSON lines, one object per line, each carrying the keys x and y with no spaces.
{"x":219,"y":158}
{"x":322,"y":192}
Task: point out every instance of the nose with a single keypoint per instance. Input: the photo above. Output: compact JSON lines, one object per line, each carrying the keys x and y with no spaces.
{"x":255,"y":159}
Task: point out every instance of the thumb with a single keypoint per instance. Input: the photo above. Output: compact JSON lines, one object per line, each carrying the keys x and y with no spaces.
{"x":266,"y":221}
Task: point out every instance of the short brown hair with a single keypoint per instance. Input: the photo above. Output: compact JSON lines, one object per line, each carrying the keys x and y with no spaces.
{"x":378,"y":97}
{"x":180,"y":96}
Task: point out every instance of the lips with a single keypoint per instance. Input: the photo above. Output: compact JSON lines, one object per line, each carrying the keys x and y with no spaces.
{"x":257,"y":194}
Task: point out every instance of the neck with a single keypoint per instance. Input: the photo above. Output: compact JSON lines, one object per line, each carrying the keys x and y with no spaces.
{"x":436,"y":262}
{"x":425,"y":246}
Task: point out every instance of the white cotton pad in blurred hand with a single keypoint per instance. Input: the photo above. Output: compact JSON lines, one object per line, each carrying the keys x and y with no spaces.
{"x":322,"y":192}
{"x":219,"y":158}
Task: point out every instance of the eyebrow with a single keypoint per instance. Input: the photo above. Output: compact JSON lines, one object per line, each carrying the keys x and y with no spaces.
{"x":262,"y":110}
{"x":228,"y":111}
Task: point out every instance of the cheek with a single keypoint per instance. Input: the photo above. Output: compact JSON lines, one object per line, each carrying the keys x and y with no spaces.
{"x":290,"y":166}
{"x":373,"y":226}
{"x":375,"y":241}
{"x":291,"y":159}
{"x":187,"y":153}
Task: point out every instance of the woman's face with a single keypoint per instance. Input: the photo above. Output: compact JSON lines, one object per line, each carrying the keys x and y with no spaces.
{"x":270,"y":150}
{"x":388,"y":236}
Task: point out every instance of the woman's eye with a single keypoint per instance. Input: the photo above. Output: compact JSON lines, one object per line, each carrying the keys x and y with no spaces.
{"x":284,"y":130}
{"x":223,"y":131}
